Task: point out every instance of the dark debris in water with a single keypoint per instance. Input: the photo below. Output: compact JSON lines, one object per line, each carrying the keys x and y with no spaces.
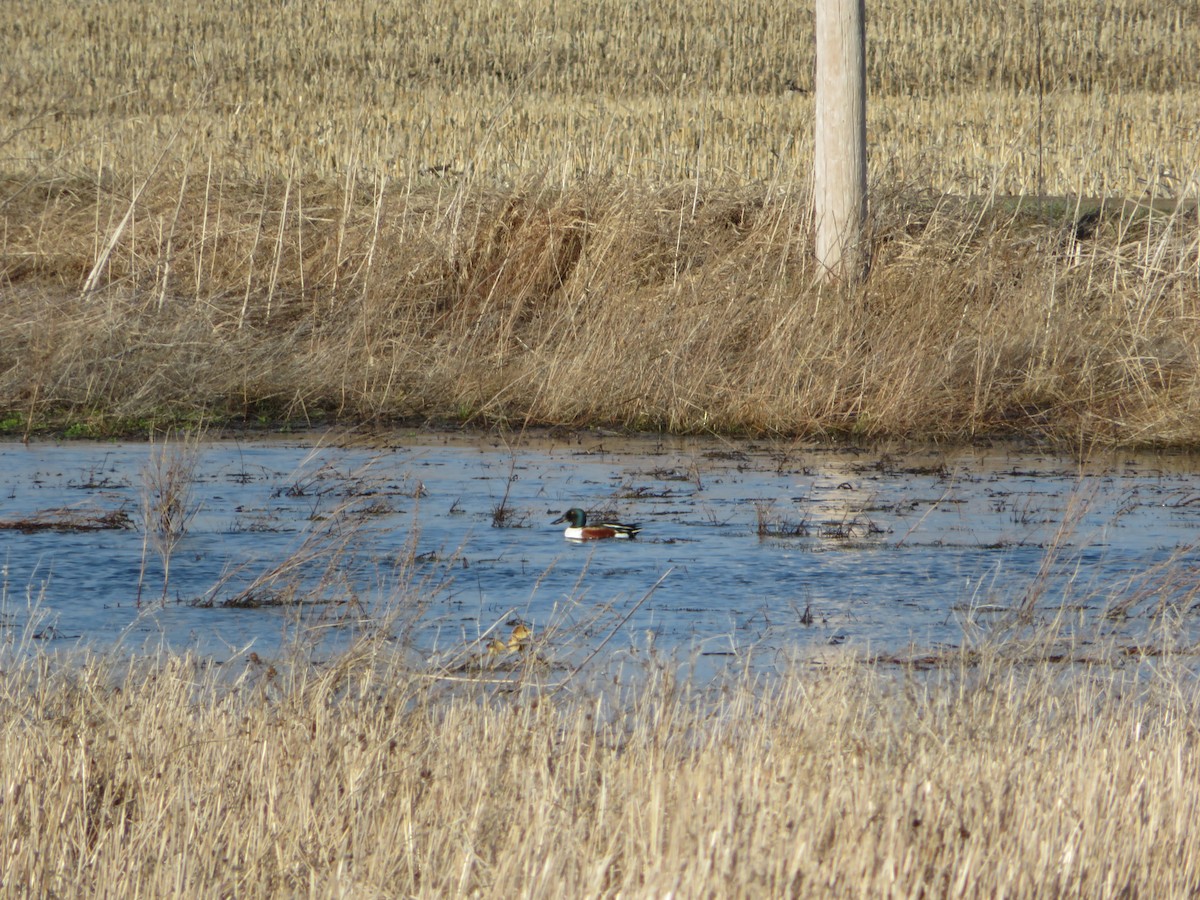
{"x":850,"y":529}
{"x":506,"y":516}
{"x":647,"y":493}
{"x":785,"y":529}
{"x":70,"y":520}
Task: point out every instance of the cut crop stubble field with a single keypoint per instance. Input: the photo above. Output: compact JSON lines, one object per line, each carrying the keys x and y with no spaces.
{"x":582,"y":213}
{"x":569,"y":212}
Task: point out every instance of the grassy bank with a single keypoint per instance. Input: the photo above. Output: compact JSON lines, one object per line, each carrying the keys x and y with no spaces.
{"x":568,"y":214}
{"x":683,"y":307}
{"x":362,"y":778}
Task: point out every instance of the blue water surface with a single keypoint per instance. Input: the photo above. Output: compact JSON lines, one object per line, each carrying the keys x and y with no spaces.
{"x":749,"y":549}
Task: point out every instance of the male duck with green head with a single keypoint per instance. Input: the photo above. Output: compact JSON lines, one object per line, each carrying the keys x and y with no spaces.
{"x":579,"y":530}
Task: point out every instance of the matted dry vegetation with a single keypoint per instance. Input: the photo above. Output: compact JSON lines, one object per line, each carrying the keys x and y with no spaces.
{"x":359,"y":778}
{"x":681,"y":308}
{"x":571,"y":213}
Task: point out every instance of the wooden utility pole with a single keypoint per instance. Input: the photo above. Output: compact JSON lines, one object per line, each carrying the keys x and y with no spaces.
{"x":840,"y":163}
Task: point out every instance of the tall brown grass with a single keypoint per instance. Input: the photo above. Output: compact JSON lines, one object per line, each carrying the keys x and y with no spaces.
{"x":682,"y":307}
{"x":361,"y":777}
{"x":566,"y":213}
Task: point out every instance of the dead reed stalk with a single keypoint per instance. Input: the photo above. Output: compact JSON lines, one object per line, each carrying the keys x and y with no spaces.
{"x":167,"y":505}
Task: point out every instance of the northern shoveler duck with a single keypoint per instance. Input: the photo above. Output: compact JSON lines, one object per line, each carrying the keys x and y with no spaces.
{"x":578,"y":529}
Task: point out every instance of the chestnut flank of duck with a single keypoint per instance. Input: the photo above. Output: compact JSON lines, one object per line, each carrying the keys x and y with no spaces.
{"x":578,"y":530}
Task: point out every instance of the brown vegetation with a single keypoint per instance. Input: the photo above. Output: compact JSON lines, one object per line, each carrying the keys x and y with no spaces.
{"x":571,"y":214}
{"x":680,"y":308}
{"x":360,"y":778}
{"x":567,"y":88}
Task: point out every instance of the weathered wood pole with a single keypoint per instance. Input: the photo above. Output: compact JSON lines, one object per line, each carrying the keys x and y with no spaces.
{"x":840,"y":161}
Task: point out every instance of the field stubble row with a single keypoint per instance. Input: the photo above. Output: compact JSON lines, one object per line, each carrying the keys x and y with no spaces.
{"x":689,"y":89}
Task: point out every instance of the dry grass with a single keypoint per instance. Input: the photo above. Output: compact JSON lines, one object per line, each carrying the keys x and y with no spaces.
{"x":682,"y":307}
{"x":688,"y":89}
{"x":362,"y":778}
{"x":167,"y":504}
{"x":563,"y":213}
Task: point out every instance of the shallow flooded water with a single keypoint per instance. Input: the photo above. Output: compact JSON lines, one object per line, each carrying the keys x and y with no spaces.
{"x":748,"y":550}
